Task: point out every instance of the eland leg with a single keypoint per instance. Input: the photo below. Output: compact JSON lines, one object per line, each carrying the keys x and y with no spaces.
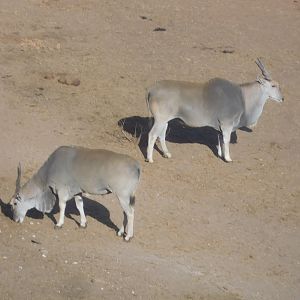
{"x":79,"y":205}
{"x":63,"y":198}
{"x":124,"y":224}
{"x":153,"y":135}
{"x":162,"y":139}
{"x":219,"y":147}
{"x":226,"y":141}
{"x":128,"y":217}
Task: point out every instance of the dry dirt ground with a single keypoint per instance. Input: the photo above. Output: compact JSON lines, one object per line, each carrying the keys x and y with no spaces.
{"x":204,"y":229}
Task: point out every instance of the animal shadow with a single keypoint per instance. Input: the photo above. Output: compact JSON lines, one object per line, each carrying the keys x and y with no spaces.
{"x":6,"y":209}
{"x":92,"y":208}
{"x":177,"y":132}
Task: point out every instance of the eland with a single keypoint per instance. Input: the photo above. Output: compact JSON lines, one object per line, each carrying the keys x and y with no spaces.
{"x":72,"y":171}
{"x":218,"y":103}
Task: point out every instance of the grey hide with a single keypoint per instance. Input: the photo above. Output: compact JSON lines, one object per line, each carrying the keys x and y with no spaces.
{"x":71,"y":171}
{"x":218,"y":103}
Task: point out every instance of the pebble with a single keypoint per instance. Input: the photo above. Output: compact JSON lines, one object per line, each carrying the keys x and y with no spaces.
{"x":75,"y":263}
{"x":4,"y":257}
{"x":44,"y":252}
{"x":31,"y":223}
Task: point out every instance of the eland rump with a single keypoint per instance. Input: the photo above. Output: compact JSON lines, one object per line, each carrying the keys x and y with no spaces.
{"x":72,"y":171}
{"x":218,"y":103}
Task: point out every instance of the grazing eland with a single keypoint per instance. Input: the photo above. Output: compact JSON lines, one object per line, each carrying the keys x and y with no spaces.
{"x":72,"y":171}
{"x":218,"y":103}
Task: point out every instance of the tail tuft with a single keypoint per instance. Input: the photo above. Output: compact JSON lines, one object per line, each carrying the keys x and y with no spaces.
{"x":132,"y":200}
{"x":150,"y":118}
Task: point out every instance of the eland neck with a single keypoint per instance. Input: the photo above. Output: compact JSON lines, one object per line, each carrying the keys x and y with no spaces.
{"x":255,"y":98}
{"x":31,"y":189}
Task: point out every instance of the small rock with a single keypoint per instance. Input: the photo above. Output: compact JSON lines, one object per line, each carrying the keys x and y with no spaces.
{"x":68,"y":81}
{"x":75,"y":82}
{"x":49,"y":76}
{"x":160,"y":29}
{"x":75,"y":263}
{"x":230,"y":51}
{"x":44,"y":252}
{"x":35,"y":242}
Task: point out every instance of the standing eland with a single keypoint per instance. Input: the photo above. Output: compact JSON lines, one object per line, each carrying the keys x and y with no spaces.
{"x":72,"y":171}
{"x":218,"y":103}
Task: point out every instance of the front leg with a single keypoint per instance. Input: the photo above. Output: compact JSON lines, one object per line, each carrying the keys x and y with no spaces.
{"x":62,"y":198}
{"x":219,"y":147}
{"x":79,"y":205}
{"x":225,"y":146}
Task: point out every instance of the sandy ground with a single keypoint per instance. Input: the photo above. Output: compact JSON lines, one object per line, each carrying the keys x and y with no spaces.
{"x":204,"y":229}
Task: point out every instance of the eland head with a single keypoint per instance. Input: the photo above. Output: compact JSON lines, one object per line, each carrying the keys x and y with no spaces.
{"x":270,"y":87}
{"x":20,"y":202}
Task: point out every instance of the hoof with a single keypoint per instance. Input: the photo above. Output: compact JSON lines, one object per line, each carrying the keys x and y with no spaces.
{"x":127,"y":239}
{"x":149,"y":160}
{"x":228,"y":160}
{"x":167,"y":155}
{"x":57,"y":227}
{"x":83,"y":226}
{"x":120,"y":233}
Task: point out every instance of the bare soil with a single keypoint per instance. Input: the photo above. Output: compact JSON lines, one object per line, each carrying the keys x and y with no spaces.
{"x":70,"y":70}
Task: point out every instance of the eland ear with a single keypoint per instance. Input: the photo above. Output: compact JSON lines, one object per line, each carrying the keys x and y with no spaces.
{"x":18,"y":181}
{"x":261,"y":80}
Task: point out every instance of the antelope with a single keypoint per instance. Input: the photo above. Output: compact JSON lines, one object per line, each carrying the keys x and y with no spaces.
{"x":72,"y":171}
{"x":218,"y":103}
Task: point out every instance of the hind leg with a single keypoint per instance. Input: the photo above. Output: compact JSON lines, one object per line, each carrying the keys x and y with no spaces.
{"x":128,"y":217}
{"x":153,"y":135}
{"x":124,"y":224}
{"x":162,"y":139}
{"x":79,"y":205}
